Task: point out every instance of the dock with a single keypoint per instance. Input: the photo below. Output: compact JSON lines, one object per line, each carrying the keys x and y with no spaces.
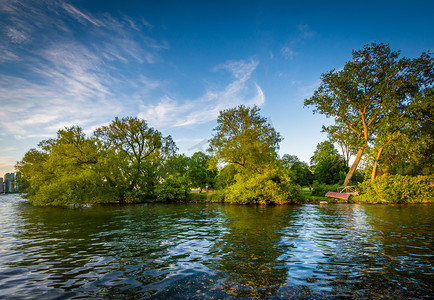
{"x":344,"y":196}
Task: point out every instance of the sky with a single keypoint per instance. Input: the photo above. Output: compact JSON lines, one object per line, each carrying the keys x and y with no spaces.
{"x":177,"y":64}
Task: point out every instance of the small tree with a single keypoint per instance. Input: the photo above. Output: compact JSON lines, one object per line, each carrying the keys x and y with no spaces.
{"x":328,"y":166}
{"x":300,"y":172}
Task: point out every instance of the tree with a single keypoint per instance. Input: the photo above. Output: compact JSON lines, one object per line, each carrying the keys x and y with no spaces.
{"x":323,"y":151}
{"x":300,"y":172}
{"x":244,"y":138}
{"x":327,"y":164}
{"x":411,"y":153}
{"x":368,"y":89}
{"x":401,"y":128}
{"x":345,"y":138}
{"x":199,"y":172}
{"x":140,"y":151}
{"x":63,"y":171}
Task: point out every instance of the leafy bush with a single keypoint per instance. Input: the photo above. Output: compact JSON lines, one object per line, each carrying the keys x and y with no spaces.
{"x":322,"y":189}
{"x":133,"y":197}
{"x":270,"y":186}
{"x":172,"y":189}
{"x":399,"y":188}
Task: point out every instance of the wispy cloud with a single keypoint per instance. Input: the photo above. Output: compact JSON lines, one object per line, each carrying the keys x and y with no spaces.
{"x":5,"y":164}
{"x":79,"y":15}
{"x":170,"y":112}
{"x":287,"y":52}
{"x":16,"y":35}
{"x":303,"y":33}
{"x":60,"y":79}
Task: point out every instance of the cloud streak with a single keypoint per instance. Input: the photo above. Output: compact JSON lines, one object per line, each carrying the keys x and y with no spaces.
{"x":61,"y":65}
{"x":303,"y":33}
{"x":169,"y":112}
{"x":65,"y":80}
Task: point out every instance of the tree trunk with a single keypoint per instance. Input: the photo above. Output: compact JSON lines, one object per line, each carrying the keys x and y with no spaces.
{"x":355,"y":164}
{"x":374,"y":169}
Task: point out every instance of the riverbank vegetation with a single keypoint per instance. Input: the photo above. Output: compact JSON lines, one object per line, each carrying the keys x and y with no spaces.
{"x":382,"y":106}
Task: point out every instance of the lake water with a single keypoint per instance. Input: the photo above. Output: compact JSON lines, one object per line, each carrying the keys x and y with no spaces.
{"x":214,"y":251}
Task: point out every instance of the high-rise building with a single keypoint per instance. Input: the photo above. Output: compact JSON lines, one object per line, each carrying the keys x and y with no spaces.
{"x":8,"y":186}
{"x":1,"y":186}
{"x":9,"y":183}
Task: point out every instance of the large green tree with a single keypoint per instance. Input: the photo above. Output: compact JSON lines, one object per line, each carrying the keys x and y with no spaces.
{"x":244,"y":138}
{"x":62,"y":171}
{"x":139,"y":150}
{"x":372,"y":86}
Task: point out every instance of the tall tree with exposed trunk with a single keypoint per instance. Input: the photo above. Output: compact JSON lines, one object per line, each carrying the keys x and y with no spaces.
{"x":372,"y":86}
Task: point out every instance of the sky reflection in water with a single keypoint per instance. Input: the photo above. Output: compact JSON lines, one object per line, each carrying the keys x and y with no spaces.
{"x":214,"y":250}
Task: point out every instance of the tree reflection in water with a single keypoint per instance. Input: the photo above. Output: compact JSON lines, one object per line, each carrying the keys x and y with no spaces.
{"x":207,"y":250}
{"x":248,"y":253}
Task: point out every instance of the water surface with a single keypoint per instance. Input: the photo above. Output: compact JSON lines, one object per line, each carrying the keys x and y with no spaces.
{"x":207,"y":251}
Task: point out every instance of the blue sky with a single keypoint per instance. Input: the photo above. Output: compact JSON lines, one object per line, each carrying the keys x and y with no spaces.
{"x":178,"y":63}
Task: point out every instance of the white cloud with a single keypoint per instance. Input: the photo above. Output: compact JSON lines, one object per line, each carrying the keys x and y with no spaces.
{"x":303,"y":33}
{"x":169,"y":112}
{"x":288,"y":52}
{"x":5,"y":165}
{"x":307,"y":91}
{"x":6,"y":55}
{"x":79,"y":15}
{"x":16,"y":35}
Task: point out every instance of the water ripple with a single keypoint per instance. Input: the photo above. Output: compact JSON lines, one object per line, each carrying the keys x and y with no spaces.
{"x":205,"y":251}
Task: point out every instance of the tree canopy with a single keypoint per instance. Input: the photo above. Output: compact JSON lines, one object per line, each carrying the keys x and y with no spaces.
{"x":327,"y":165}
{"x":120,"y":162}
{"x":244,"y":138}
{"x":370,"y":90}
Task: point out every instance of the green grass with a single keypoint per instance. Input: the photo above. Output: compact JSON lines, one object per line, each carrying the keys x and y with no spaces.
{"x":213,"y":195}
{"x":306,"y":196}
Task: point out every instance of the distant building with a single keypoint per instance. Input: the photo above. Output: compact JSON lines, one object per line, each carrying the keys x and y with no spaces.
{"x":1,"y":186}
{"x":10,"y":183}
{"x":8,"y":186}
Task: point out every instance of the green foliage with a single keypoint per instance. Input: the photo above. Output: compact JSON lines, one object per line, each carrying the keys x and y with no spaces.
{"x":400,"y":189}
{"x":133,"y":196}
{"x":373,"y":95}
{"x":62,"y":172}
{"x":226,"y":176}
{"x":346,"y":139}
{"x":320,"y":189}
{"x":121,"y":162}
{"x":322,"y":152}
{"x":300,"y":172}
{"x":172,"y":189}
{"x":331,"y":170}
{"x":199,"y":171}
{"x":270,"y":186}
{"x":244,"y":138}
{"x":139,"y":150}
{"x":328,"y":166}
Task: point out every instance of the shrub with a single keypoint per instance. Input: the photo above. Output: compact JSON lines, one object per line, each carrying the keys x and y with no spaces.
{"x":321,"y":189}
{"x":172,"y":189}
{"x":269,"y":186}
{"x":399,"y":188}
{"x":133,"y":197}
